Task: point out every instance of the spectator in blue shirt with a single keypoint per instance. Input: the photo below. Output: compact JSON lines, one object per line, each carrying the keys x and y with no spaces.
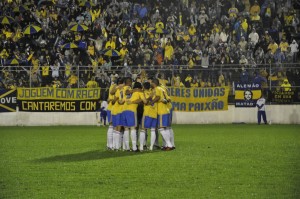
{"x":244,"y":76}
{"x":258,"y":79}
{"x":142,"y":11}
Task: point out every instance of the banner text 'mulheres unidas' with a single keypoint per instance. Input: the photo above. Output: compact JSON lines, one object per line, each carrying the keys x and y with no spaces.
{"x":199,"y":99}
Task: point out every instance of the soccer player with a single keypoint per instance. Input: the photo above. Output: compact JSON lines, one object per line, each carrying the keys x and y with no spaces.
{"x":169,"y":104}
{"x":156,"y":144}
{"x":163,"y":113}
{"x":116,"y":114}
{"x":130,"y":113}
{"x":110,"y":106}
{"x":128,"y":92}
{"x":149,"y":120}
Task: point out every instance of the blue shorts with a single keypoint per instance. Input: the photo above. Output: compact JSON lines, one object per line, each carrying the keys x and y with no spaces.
{"x":171,"y":117}
{"x":163,"y":120}
{"x":116,"y":120}
{"x":109,"y":116}
{"x":149,"y":122}
{"x":129,"y":119}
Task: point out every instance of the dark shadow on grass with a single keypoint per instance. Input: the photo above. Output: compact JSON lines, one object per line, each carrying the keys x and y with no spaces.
{"x":90,"y":155}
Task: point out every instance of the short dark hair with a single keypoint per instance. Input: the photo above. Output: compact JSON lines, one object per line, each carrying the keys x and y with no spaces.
{"x":146,"y":85}
{"x":150,"y":78}
{"x":155,"y":81}
{"x":127,"y":79}
{"x":120,"y":80}
{"x":137,"y":85}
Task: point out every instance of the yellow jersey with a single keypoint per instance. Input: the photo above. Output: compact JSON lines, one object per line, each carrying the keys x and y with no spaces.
{"x":126,"y":97}
{"x":163,"y":81}
{"x":193,"y":85}
{"x":162,"y":108}
{"x":45,"y":70}
{"x":92,"y":84}
{"x":135,"y":96}
{"x":118,"y":108}
{"x":150,"y":110}
{"x":273,"y":47}
{"x":167,"y":96}
{"x":91,"y":50}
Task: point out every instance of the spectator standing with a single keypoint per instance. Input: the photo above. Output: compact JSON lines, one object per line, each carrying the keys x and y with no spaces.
{"x":294,"y":50}
{"x":103,"y":113}
{"x":254,"y":37}
{"x":261,"y":107}
{"x":286,"y":86}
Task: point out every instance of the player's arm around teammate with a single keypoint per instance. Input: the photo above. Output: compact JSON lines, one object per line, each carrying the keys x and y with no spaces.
{"x":163,"y":113}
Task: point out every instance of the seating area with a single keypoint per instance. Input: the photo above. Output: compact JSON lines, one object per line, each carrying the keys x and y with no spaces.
{"x":63,"y":43}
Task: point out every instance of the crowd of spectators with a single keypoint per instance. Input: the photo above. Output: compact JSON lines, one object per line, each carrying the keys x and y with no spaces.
{"x":188,"y":43}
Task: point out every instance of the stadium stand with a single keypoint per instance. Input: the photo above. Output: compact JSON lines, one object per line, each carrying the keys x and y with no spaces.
{"x":68,"y":43}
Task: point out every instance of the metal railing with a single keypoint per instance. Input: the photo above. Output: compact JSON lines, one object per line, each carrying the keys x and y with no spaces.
{"x":271,"y":76}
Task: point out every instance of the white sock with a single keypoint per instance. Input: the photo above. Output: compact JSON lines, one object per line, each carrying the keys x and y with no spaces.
{"x":153,"y":138}
{"x":142,"y":139}
{"x":163,"y":141}
{"x":166,"y":135}
{"x":133,"y":139}
{"x":118,"y":138}
{"x":114,"y":139}
{"x":126,"y":140}
{"x":110,"y":137}
{"x":171,"y":136}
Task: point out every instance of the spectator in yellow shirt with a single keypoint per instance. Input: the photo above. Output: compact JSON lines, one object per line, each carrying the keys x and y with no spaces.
{"x":168,"y":51}
{"x":255,"y":9}
{"x":286,"y":86}
{"x":163,"y":81}
{"x":73,"y":80}
{"x":283,"y":45}
{"x":194,"y":84}
{"x":95,"y":14}
{"x":192,"y":30}
{"x":56,"y":83}
{"x":53,"y":15}
{"x":77,"y":37}
{"x":176,"y":80}
{"x":110,"y":44}
{"x":92,"y":83}
{"x":4,"y":54}
{"x":123,"y":51}
{"x":7,"y":32}
{"x":221,"y":80}
{"x":273,"y":46}
{"x":91,"y":49}
{"x":188,"y":80}
{"x":233,"y":12}
{"x":245,"y":25}
{"x":159,"y":24}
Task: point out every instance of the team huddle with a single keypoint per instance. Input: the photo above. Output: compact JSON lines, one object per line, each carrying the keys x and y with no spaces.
{"x":134,"y":107}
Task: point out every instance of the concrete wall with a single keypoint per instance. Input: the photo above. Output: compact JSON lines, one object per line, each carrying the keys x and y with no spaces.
{"x":278,"y":114}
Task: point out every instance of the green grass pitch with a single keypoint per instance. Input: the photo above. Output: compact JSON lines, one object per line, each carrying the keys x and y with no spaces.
{"x":210,"y":161}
